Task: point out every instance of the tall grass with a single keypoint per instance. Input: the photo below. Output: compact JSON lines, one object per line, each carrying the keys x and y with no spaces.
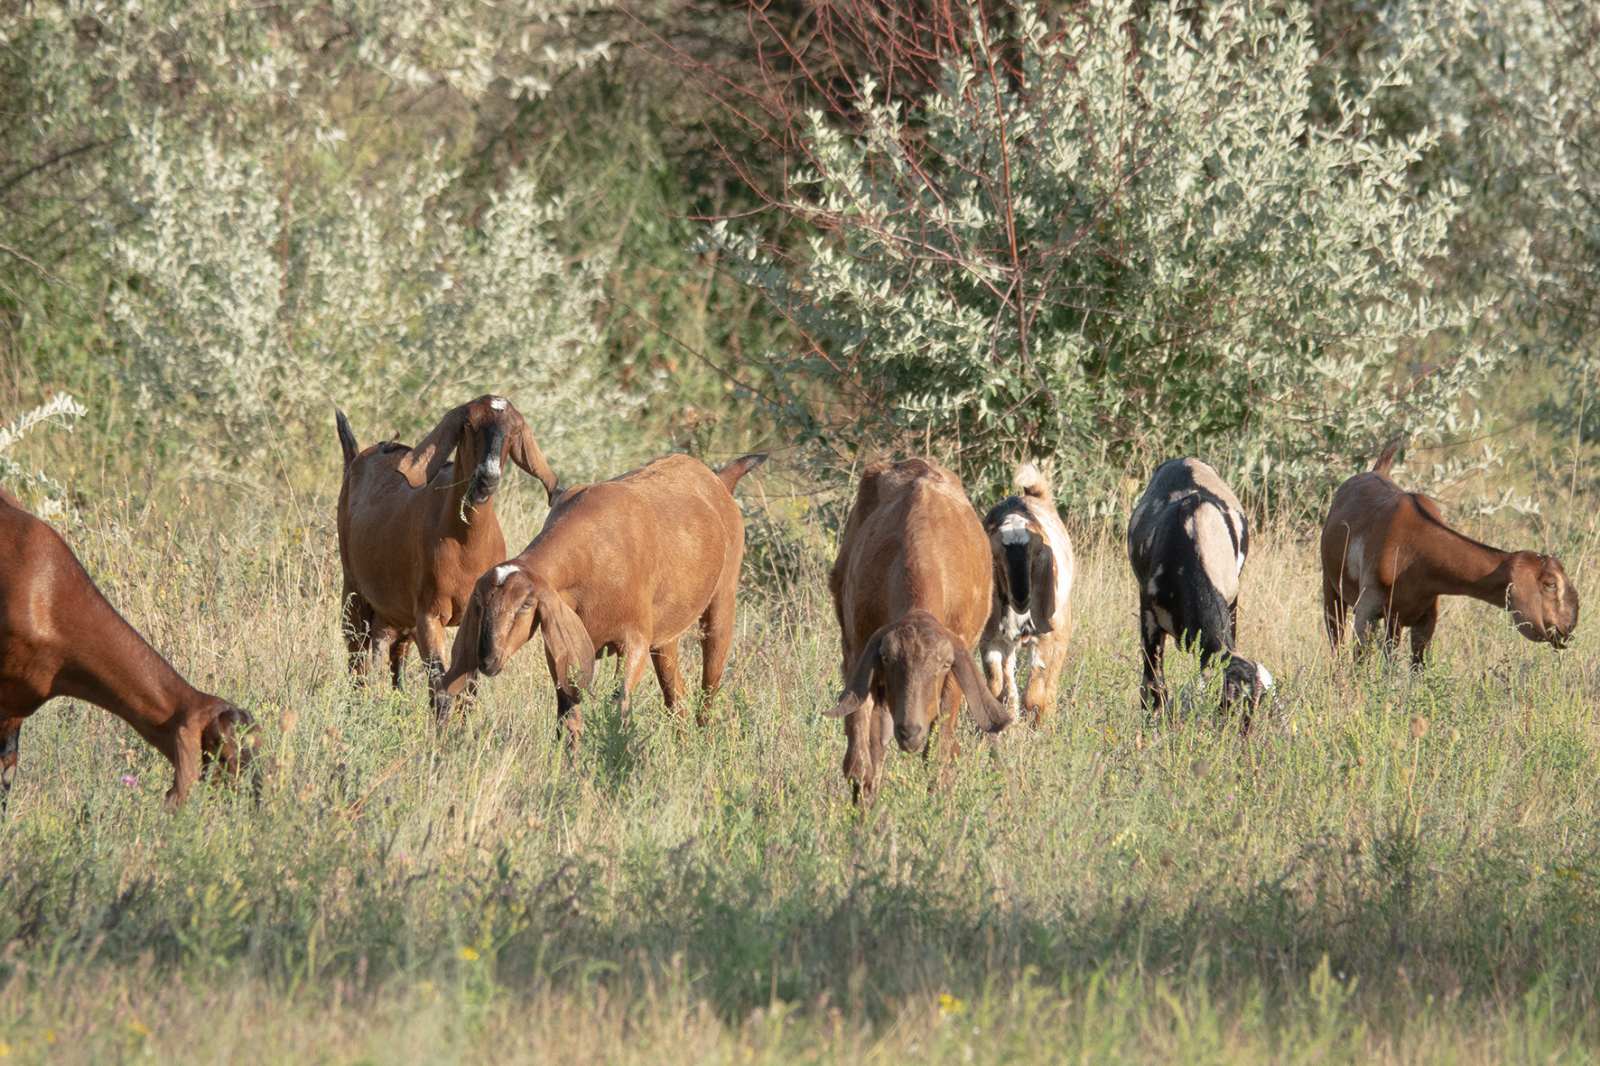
{"x":1396,"y":867}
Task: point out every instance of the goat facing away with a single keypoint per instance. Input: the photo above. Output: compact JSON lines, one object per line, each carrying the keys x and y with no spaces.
{"x":912,"y":587}
{"x":1033,"y":569}
{"x":1187,"y":541}
{"x":1388,"y":554}
{"x":625,"y":566}
{"x":59,"y":637}
{"x":416,"y":529}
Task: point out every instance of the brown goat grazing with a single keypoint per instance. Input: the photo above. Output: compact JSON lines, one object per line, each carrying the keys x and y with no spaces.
{"x":1033,"y":568}
{"x":624,"y":566}
{"x":1390,"y":555}
{"x":59,"y":637}
{"x":912,"y":589}
{"x":416,"y":530}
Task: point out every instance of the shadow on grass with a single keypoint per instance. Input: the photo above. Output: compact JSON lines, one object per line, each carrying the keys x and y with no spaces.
{"x":1409,"y":930}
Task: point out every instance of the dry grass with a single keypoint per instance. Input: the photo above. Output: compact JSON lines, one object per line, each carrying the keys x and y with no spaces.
{"x":1337,"y":888}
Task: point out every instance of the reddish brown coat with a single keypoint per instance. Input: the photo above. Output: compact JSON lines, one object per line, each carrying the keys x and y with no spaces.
{"x":1388,"y":554}
{"x":912,"y":588}
{"x":59,"y":637}
{"x":625,"y":566}
{"x":416,"y":529}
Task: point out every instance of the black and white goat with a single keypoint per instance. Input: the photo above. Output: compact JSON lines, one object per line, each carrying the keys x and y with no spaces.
{"x":1032,"y":583}
{"x":1187,"y":541}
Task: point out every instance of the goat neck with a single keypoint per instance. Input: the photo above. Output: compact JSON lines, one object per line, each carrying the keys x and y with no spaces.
{"x":125,"y":675}
{"x":1455,"y":564}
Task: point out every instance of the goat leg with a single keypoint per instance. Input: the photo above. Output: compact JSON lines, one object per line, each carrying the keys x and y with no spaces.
{"x":569,"y":722}
{"x":1153,"y":690}
{"x":1049,"y":657}
{"x":10,"y":735}
{"x":1422,"y":633}
{"x":429,"y":636}
{"x":665,"y":661}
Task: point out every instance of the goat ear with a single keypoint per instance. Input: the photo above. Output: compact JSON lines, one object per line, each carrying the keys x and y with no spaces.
{"x":856,"y":692}
{"x":466,"y":652}
{"x":1041,"y":584}
{"x":988,"y":713}
{"x":566,"y":641}
{"x":526,"y":454}
{"x":423,"y":463}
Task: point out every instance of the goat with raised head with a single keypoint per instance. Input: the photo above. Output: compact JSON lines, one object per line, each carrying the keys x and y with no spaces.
{"x":1388,"y":554}
{"x":417,"y":529}
{"x":1187,"y":541}
{"x":625,"y":566}
{"x":912,"y":587}
{"x":59,"y":637}
{"x":1033,"y":567}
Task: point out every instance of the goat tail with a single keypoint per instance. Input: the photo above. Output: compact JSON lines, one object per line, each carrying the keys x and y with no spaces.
{"x":1386,"y":457}
{"x":1031,"y":482}
{"x":741,"y":466}
{"x":347,"y":436}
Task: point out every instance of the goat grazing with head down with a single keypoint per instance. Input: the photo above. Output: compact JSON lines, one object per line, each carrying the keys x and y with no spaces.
{"x":625,"y":566}
{"x":1187,"y":542}
{"x":59,"y":637}
{"x":416,"y":529}
{"x":912,"y":588}
{"x":1032,"y":583}
{"x":1389,"y":554}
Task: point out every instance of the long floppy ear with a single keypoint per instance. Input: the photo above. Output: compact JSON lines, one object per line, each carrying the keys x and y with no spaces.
{"x":423,"y":463}
{"x":1041,"y":584}
{"x":988,"y":714}
{"x":526,"y":454}
{"x":855,"y":693}
{"x":566,"y":641}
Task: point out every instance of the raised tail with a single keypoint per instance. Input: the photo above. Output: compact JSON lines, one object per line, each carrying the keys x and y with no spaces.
{"x":1386,"y":457}
{"x":1031,"y":482}
{"x":741,"y":466}
{"x":347,"y":436}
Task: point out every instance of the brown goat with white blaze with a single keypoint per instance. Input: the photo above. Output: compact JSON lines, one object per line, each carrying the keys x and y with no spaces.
{"x":59,"y":637}
{"x":912,"y":588}
{"x":416,"y":529}
{"x":1033,"y":568}
{"x":625,"y":566}
{"x":1389,"y":555}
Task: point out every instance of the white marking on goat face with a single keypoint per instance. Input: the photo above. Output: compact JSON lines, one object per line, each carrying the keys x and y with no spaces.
{"x":1164,"y":620}
{"x":1150,"y":627}
{"x":1151,"y":585}
{"x":491,"y":466}
{"x":1014,"y":530}
{"x":501,"y":572}
{"x":498,"y":403}
{"x":1265,"y":675}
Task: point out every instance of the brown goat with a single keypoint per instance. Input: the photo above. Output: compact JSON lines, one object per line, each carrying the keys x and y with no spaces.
{"x":59,"y":637}
{"x":912,"y":589}
{"x":416,"y":530}
{"x":624,"y":566}
{"x":1390,"y":555}
{"x":1033,"y":568}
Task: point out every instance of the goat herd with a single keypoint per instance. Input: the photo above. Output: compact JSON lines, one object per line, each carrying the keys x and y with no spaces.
{"x":629,"y":565}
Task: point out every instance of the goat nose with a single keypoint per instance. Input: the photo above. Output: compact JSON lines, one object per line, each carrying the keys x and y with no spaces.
{"x":910,"y":737}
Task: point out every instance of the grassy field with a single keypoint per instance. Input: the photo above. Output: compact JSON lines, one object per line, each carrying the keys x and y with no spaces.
{"x":1394,"y":868}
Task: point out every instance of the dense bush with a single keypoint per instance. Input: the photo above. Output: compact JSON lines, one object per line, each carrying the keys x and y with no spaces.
{"x":1088,"y":250}
{"x":236,"y":215}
